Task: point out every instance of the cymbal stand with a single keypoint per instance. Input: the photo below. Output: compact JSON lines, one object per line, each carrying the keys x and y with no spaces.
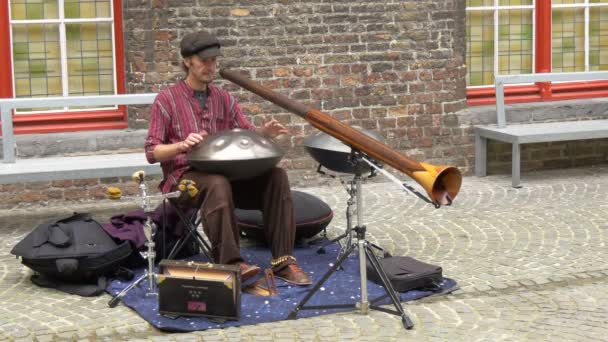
{"x":365,"y":252}
{"x":149,"y":232}
{"x":351,"y":189}
{"x":348,"y":233}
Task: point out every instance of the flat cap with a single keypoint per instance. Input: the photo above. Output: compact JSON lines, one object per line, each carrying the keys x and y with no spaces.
{"x":200,"y":43}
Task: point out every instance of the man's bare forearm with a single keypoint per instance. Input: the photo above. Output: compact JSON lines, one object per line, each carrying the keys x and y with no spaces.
{"x":164,"y":152}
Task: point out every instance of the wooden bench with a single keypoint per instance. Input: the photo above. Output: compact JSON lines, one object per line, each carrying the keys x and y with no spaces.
{"x":518,"y":134}
{"x":69,"y":167}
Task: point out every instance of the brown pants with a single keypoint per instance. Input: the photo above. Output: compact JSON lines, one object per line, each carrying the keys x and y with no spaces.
{"x":218,"y":197}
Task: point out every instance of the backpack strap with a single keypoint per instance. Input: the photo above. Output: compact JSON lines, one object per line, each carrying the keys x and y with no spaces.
{"x":58,"y":237}
{"x":52,"y":233}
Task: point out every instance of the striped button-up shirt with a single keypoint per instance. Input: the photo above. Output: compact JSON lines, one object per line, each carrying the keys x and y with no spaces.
{"x":176,"y":113}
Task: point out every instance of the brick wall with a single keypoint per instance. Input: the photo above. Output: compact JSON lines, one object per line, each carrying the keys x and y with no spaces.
{"x":65,"y":193}
{"x":552,"y":155}
{"x":396,"y":67}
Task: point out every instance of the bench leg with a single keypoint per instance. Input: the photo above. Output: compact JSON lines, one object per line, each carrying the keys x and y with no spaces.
{"x":481,"y":144}
{"x":515,"y":166}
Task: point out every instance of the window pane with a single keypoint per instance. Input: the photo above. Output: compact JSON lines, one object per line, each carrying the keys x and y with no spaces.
{"x":515,"y":2}
{"x":90,"y":60}
{"x":477,"y":3}
{"x":37,"y":59}
{"x":87,"y":9}
{"x":34,"y":9}
{"x":515,"y":37}
{"x":568,"y":40}
{"x":560,"y":2}
{"x":598,"y":38}
{"x":37,"y":53}
{"x":480,"y":47}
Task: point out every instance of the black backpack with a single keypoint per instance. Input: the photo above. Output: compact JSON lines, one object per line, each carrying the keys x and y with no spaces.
{"x":72,"y":254}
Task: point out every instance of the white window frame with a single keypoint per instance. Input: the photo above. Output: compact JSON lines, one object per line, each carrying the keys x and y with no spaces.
{"x":495,"y":8}
{"x":587,"y":7}
{"x":61,"y":21}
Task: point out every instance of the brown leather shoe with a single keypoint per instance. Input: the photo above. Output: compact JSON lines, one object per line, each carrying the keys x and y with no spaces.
{"x":248,"y":271}
{"x":293,"y":274}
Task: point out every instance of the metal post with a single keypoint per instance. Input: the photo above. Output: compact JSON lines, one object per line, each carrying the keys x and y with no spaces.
{"x":515,"y":166}
{"x":500,"y":104}
{"x":481,"y":155}
{"x":364,"y":305}
{"x":8,"y":139}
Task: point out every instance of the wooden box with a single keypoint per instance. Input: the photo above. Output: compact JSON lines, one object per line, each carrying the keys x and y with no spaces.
{"x":189,"y":288}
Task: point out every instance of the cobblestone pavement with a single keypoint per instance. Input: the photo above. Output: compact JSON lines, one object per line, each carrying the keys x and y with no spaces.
{"x":531,"y":264}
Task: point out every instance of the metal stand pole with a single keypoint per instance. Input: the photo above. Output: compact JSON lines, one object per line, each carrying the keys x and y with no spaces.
{"x":150,"y":255}
{"x":149,"y":230}
{"x":365,"y":253}
{"x":348,"y":234}
{"x":363,"y":306}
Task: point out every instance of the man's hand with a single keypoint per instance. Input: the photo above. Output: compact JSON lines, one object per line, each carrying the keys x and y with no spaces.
{"x":272,"y":128}
{"x":192,"y":140}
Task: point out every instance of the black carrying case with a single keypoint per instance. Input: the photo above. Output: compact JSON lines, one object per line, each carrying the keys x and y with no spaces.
{"x":70,"y":251}
{"x":407,"y":273}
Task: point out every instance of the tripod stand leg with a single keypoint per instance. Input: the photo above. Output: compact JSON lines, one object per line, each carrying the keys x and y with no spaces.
{"x":388,"y":287}
{"x":321,"y":249}
{"x":117,"y":298}
{"x":294,"y":313}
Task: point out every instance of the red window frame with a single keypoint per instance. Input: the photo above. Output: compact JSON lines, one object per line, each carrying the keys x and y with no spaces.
{"x":541,"y":91}
{"x":67,"y":121}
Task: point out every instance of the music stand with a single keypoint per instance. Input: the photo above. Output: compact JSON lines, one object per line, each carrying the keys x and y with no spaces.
{"x":365,"y":253}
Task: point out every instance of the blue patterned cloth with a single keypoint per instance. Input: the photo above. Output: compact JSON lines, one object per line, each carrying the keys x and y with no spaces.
{"x":343,"y":287}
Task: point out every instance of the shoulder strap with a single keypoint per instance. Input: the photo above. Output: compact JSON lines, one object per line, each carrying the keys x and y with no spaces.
{"x":61,"y":238}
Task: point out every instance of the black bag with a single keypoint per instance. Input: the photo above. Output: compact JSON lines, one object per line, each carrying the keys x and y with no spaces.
{"x":72,"y":254}
{"x":406,"y":273}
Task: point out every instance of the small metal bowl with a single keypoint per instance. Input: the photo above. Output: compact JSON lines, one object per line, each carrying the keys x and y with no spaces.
{"x":333,"y":154}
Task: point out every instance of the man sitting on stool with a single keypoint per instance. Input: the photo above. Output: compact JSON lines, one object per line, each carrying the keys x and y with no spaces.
{"x":181,"y":116}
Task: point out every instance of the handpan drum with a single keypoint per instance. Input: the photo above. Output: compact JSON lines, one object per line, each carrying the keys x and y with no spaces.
{"x":334,"y":154}
{"x":236,"y":154}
